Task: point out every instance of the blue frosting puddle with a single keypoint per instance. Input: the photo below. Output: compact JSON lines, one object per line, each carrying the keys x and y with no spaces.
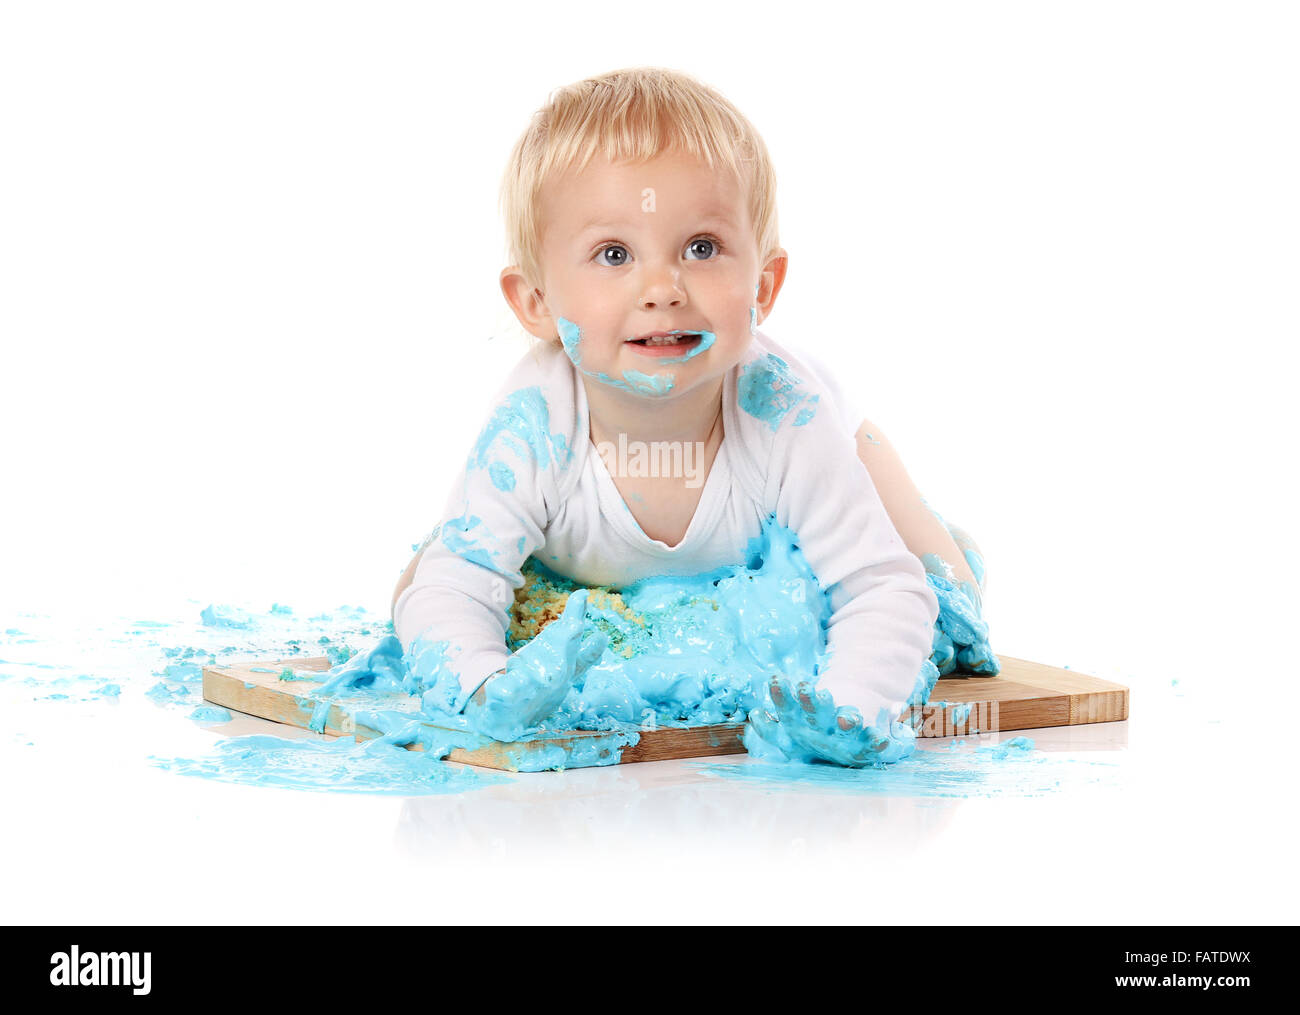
{"x":340,"y":766}
{"x":157,"y":665}
{"x":1008,"y":769}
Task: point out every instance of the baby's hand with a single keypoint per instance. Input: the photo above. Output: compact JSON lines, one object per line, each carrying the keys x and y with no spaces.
{"x":380,"y":668}
{"x":961,"y":639}
{"x":811,"y":727}
{"x":537,"y":677}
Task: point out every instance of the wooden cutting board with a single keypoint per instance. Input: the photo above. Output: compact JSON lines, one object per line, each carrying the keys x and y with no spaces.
{"x":1024,"y":695}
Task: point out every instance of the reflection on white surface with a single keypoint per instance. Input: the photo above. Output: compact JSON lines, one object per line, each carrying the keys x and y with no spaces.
{"x":665,"y":803}
{"x":668,"y":807}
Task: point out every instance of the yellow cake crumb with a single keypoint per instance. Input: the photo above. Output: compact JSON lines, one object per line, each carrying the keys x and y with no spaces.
{"x":538,"y":602}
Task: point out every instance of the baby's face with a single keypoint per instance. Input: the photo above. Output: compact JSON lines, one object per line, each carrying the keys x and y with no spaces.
{"x":631,"y":250}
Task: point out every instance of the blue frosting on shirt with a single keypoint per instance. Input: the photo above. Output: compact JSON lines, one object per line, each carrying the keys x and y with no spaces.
{"x":769,"y":392}
{"x":522,"y":423}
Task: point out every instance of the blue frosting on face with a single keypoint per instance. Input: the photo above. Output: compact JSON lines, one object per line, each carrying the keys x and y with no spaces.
{"x":646,"y":384}
{"x":635,"y":381}
{"x":570,"y":338}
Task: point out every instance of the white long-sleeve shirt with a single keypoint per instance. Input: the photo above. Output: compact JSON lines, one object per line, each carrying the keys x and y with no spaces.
{"x":535,"y":484}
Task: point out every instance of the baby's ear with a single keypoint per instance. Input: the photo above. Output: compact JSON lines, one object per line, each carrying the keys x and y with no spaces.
{"x":528,"y":303}
{"x":771,"y":281}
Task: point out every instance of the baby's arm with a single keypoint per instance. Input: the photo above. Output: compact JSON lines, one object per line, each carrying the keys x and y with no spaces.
{"x":882,"y":610}
{"x":408,"y":575}
{"x":962,"y":639}
{"x":452,"y":615}
{"x":920,"y":528}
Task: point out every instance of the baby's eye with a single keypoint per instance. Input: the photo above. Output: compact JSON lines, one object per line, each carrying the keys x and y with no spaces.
{"x":613,"y":255}
{"x":702,"y":247}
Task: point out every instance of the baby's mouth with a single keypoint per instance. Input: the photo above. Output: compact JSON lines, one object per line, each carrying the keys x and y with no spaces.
{"x":671,"y":343}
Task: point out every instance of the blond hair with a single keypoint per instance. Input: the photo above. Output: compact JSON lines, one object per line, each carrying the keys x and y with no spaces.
{"x":632,"y":115}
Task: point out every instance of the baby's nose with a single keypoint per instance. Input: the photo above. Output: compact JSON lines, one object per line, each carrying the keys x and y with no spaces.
{"x":651,"y":302}
{"x":662,"y":289}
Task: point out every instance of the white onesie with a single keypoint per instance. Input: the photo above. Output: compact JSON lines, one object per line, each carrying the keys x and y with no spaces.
{"x":534,"y":484}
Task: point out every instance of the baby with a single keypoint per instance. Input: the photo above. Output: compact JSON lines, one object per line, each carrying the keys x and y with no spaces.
{"x":655,"y":428}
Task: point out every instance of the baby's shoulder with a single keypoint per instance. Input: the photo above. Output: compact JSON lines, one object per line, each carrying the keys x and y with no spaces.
{"x":781,"y":392}
{"x":534,"y":413}
{"x":543,"y":365}
{"x":785,"y":418}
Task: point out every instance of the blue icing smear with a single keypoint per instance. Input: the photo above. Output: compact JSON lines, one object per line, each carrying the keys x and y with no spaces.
{"x":936,"y":565}
{"x":503,"y":477}
{"x":635,"y":381}
{"x":648,"y":384}
{"x":1009,"y":747}
{"x":1005,"y":770}
{"x":806,"y":414}
{"x":437,"y":726}
{"x":319,"y":716}
{"x":768,"y":391}
{"x":570,"y":337}
{"x":961,"y":635}
{"x":226,"y":616}
{"x":522,"y":423}
{"x":456,"y":538}
{"x":210,"y":713}
{"x":587,"y":752}
{"x":340,"y":766}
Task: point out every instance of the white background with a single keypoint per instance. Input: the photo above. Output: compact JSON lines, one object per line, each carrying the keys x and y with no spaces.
{"x":249,"y":313}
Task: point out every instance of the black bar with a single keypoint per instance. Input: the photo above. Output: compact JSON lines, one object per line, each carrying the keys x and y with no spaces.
{"x":518,"y":963}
